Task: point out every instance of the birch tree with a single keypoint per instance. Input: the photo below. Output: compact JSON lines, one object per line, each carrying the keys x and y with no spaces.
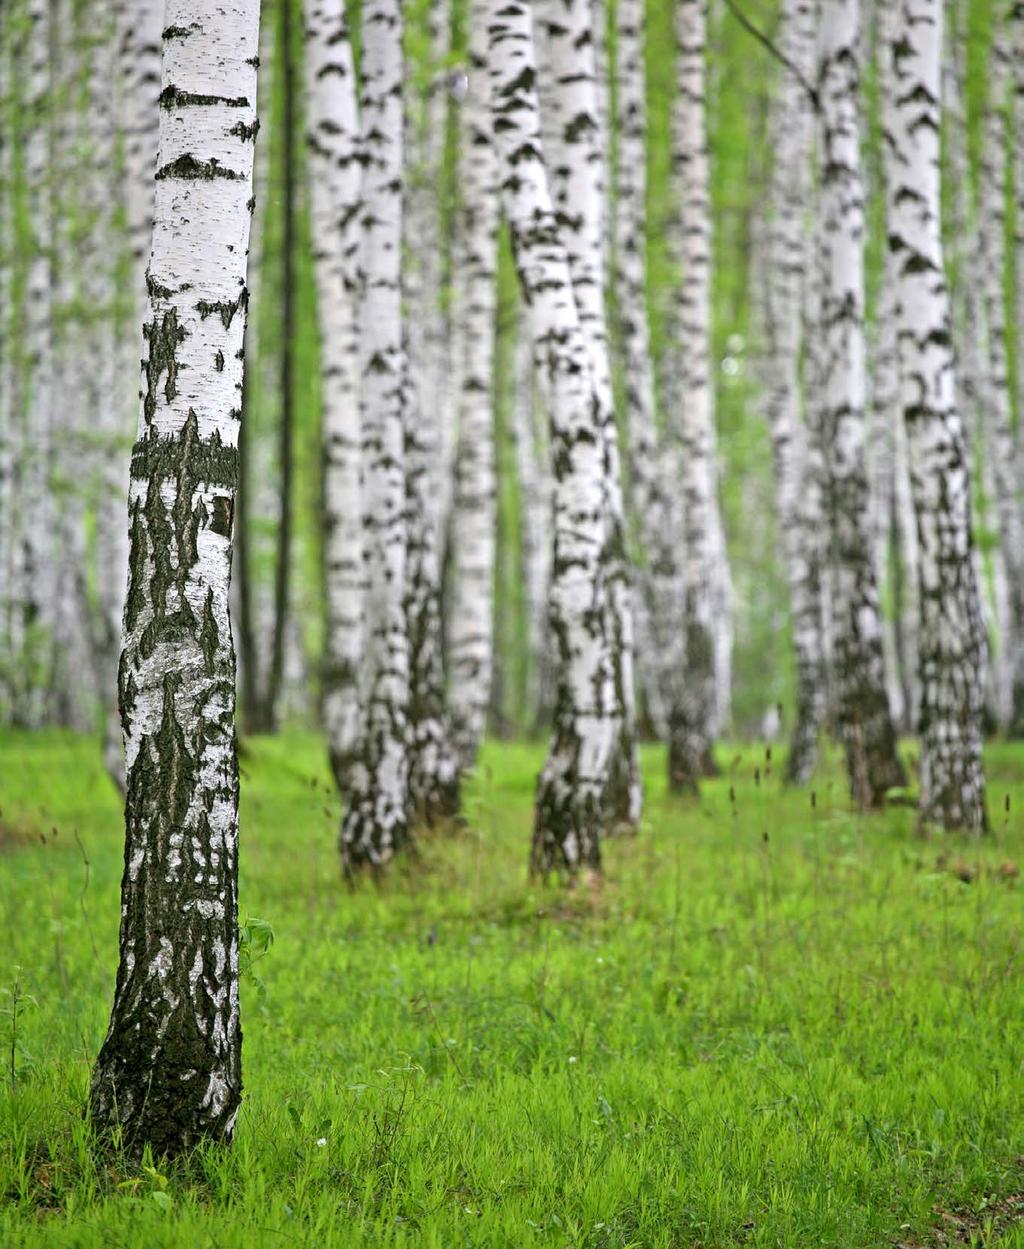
{"x":997,"y":407}
{"x":471,"y":632}
{"x":578,"y":186}
{"x":335,"y":190}
{"x":797,"y":493}
{"x":952,"y":640}
{"x":862,"y":708}
{"x":570,"y":806}
{"x":693,"y":715}
{"x":376,"y":823}
{"x":655,"y":464}
{"x":169,"y":1071}
{"x":433,"y":766}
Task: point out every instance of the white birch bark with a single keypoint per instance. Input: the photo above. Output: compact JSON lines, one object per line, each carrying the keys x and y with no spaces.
{"x":997,"y":409}
{"x":474,"y":527}
{"x":655,"y":471}
{"x":570,"y":806}
{"x":35,"y":587}
{"x":797,"y":495}
{"x":433,"y":766}
{"x":536,"y":520}
{"x":335,"y":191}
{"x":862,"y":709}
{"x":1017,"y":135}
{"x":694,"y":712}
{"x":6,"y":369}
{"x":578,"y":185}
{"x":952,"y":642}
{"x":169,"y":1072}
{"x":376,"y":824}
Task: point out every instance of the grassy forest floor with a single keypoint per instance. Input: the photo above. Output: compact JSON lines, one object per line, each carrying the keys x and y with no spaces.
{"x":778,"y":1024}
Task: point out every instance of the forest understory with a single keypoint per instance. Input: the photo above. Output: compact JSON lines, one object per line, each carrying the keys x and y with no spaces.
{"x":777,"y":1022}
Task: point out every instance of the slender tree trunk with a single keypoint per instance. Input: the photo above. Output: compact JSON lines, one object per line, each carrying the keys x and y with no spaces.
{"x":863,"y":719}
{"x":536,"y":520}
{"x":376,"y":822}
{"x":952,"y":640}
{"x":471,"y":631}
{"x":578,"y":185}
{"x":693,"y":715}
{"x":570,"y":807}
{"x":335,"y":186}
{"x":35,"y":589}
{"x":998,"y":410}
{"x":797,"y":492}
{"x":1017,"y":135}
{"x":433,"y":766}
{"x":655,"y":470}
{"x":169,"y":1072}
{"x":6,"y":367}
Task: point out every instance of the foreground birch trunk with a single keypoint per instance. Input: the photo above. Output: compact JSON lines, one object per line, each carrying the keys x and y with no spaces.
{"x":169,"y":1072}
{"x":376,"y":822}
{"x":335,"y":188}
{"x":863,"y":718}
{"x":570,"y":806}
{"x":578,"y":185}
{"x":473,"y":540}
{"x":952,"y":639}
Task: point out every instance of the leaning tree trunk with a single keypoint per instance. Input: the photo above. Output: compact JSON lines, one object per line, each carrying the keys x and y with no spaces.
{"x":471,"y":632}
{"x":335,"y":188}
{"x":862,"y":711}
{"x":578,"y":184}
{"x":570,"y":806}
{"x":376,"y":822}
{"x":433,"y":766}
{"x":169,"y":1072}
{"x":952,"y":638}
{"x":1000,"y":441}
{"x":655,"y":470}
{"x":693,"y":714}
{"x":797,"y":497}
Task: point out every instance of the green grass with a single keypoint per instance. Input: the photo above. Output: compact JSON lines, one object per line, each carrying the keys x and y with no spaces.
{"x":775,"y":1026}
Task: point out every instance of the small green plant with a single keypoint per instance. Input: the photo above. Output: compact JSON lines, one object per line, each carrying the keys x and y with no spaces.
{"x":255,"y":937}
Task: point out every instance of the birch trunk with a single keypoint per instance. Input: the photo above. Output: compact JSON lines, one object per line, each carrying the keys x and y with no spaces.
{"x":36,"y":585}
{"x":693,"y":714}
{"x":863,"y":719}
{"x":6,"y":369}
{"x":536,"y":518}
{"x":952,"y":640}
{"x":433,"y":766}
{"x":169,"y":1072}
{"x":999,"y":433}
{"x":570,"y":806}
{"x":335,"y":189}
{"x":655,"y":470}
{"x":473,"y":541}
{"x":376,"y":825}
{"x":578,"y":185}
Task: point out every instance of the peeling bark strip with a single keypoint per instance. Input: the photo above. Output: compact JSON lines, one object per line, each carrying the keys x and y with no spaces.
{"x":862,"y":705}
{"x":952,"y":639}
{"x":169,"y":1072}
{"x":471,"y":639}
{"x":335,"y":188}
{"x":578,"y":181}
{"x":376,"y":822}
{"x":570,"y":808}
